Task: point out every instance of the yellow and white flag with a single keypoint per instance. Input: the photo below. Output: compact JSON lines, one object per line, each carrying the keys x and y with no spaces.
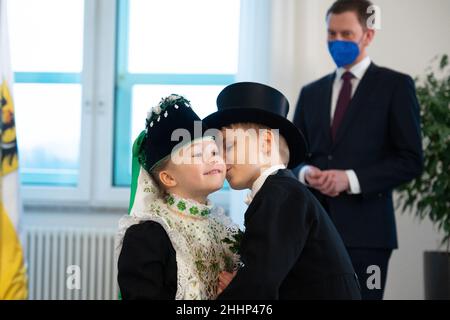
{"x":13,"y":280}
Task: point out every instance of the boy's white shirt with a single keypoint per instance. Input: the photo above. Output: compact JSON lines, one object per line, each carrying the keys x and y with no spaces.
{"x":260,"y":181}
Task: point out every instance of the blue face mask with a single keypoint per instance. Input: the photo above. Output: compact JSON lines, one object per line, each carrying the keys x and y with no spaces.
{"x":343,"y":52}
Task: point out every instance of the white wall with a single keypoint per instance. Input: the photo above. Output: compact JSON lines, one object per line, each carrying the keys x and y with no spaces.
{"x":412,"y":33}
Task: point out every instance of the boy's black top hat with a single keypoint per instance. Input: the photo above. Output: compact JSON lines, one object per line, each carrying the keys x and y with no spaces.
{"x":261,"y":104}
{"x":172,"y":113}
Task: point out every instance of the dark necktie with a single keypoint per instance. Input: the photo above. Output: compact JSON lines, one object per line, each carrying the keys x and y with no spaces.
{"x":342,"y":104}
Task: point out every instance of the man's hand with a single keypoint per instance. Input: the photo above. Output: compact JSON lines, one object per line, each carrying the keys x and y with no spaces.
{"x":320,"y":180}
{"x":340,"y":181}
{"x":224,"y":280}
{"x":314,"y":177}
{"x":328,"y":182}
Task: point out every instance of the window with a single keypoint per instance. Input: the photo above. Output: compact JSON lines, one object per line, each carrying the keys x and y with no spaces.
{"x":87,"y":72}
{"x":48,"y":65}
{"x":170,"y":46}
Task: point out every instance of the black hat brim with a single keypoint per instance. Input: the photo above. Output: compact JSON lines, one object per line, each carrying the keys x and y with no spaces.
{"x":294,"y":138}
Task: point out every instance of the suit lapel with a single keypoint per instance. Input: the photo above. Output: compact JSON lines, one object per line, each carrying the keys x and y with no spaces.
{"x":325,"y":108}
{"x":361,"y":96}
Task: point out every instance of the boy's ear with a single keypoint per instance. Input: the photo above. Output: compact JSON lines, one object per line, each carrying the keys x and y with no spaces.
{"x":267,"y":141}
{"x":167,"y":179}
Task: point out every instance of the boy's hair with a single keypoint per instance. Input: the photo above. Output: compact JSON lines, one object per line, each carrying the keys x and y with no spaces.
{"x":360,"y":7}
{"x":282,"y":144}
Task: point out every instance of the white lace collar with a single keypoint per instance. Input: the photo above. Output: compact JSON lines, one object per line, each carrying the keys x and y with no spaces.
{"x":188,"y":207}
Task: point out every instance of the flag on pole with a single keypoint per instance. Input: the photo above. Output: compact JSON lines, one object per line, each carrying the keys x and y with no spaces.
{"x":13,"y":280}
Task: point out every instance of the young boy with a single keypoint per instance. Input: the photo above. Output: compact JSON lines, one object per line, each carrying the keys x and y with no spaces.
{"x":290,"y":248}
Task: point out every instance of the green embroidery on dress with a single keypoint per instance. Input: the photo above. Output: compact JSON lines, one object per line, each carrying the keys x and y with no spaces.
{"x":170,"y":200}
{"x":228,"y":261}
{"x":200,"y":265}
{"x":215,"y":267}
{"x":193,"y":210}
{"x":181,"y":205}
{"x":189,"y":206}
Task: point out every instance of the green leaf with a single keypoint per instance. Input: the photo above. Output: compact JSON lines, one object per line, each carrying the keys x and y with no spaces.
{"x":444,"y":62}
{"x":428,"y":196}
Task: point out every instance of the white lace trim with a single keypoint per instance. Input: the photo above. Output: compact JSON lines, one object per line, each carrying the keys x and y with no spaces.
{"x":200,"y":251}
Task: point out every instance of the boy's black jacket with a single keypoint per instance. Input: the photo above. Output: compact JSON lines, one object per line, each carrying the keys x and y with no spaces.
{"x":290,"y":248}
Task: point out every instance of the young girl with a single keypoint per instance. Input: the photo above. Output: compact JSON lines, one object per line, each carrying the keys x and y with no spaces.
{"x":173,"y":245}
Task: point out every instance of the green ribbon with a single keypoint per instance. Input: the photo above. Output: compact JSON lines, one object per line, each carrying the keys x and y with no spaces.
{"x":135,"y":167}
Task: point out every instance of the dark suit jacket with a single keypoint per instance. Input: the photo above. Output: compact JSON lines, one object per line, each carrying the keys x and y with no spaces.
{"x":379,"y":138}
{"x":290,"y":248}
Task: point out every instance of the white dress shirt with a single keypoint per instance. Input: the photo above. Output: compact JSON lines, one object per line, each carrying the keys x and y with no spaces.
{"x":358,"y":71}
{"x":260,"y":181}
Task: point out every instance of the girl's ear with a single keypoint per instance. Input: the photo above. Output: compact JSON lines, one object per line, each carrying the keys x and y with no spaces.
{"x":167,"y":179}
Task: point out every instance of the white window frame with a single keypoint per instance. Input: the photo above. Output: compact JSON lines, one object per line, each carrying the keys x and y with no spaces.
{"x":95,"y":187}
{"x":104,"y":194}
{"x":60,"y":195}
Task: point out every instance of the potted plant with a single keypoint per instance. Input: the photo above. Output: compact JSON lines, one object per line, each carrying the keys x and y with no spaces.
{"x":428,"y":196}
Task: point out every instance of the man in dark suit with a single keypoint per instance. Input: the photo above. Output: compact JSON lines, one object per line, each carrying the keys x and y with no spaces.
{"x":362,"y":125}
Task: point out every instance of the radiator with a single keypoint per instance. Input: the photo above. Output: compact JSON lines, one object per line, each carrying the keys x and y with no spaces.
{"x":56,"y":256}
